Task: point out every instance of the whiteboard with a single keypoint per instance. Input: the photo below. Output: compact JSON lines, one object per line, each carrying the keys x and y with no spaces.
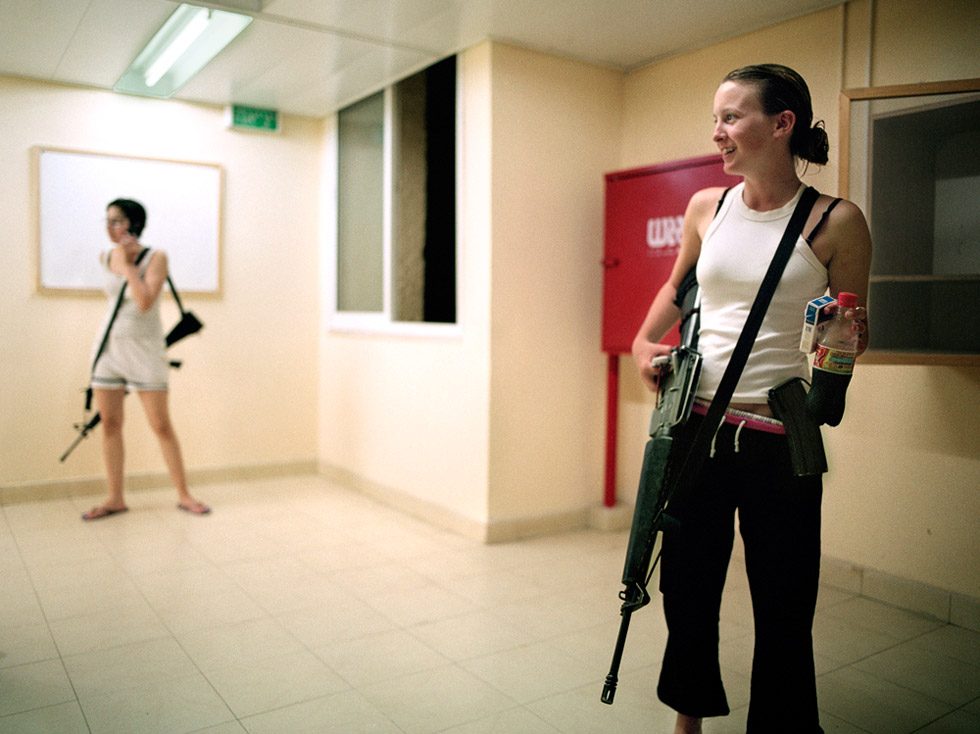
{"x":183,"y":207}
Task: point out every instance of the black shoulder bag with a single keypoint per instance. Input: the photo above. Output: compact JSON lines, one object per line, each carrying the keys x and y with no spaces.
{"x":188,"y":324}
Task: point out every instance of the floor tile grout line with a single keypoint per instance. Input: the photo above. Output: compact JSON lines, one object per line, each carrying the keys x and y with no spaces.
{"x":47,"y":622}
{"x":486,"y":605}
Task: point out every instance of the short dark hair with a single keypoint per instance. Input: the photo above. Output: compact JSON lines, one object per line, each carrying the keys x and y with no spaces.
{"x":134,"y":212}
{"x":781,"y":88}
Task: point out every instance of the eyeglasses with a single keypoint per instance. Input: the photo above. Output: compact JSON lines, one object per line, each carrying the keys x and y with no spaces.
{"x":116,"y":222}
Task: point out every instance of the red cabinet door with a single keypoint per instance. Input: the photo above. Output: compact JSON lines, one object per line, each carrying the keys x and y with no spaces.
{"x":644,"y":215}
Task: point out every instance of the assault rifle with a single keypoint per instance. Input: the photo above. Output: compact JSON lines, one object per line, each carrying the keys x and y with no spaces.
{"x":677,"y":382}
{"x":187,"y":325}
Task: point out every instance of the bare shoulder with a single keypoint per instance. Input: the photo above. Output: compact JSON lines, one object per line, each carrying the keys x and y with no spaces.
{"x":706,"y":199}
{"x":701,"y":207}
{"x":158,"y":261}
{"x":847,"y":225}
{"x":845,"y":248}
{"x":850,"y":214}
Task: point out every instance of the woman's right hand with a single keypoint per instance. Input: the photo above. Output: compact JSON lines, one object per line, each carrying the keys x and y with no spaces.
{"x":664,"y":312}
{"x":644,"y":352}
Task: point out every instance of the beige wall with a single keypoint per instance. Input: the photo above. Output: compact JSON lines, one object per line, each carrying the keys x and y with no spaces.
{"x":228,"y":400}
{"x":667,"y":106}
{"x":406,"y":416}
{"x":914,"y":41}
{"x":556,"y":131}
{"x":903,"y":494}
{"x":496,"y":430}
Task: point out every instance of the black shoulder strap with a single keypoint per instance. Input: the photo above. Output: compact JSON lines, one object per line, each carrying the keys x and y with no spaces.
{"x":173,"y":289}
{"x":729,"y":380}
{"x":823,"y":219}
{"x":115,"y":311}
{"x":721,"y":200}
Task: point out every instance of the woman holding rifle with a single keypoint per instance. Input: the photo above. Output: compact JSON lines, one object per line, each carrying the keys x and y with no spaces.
{"x":763,"y":128}
{"x":134,"y":356}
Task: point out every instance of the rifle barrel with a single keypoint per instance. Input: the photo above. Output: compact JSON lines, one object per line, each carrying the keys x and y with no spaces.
{"x":612,"y":679}
{"x":82,"y":435}
{"x":78,"y":440}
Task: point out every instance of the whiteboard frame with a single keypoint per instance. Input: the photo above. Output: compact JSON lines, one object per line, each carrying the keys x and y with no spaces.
{"x":75,"y":218}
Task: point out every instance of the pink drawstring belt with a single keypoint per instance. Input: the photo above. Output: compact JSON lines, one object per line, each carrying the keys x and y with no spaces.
{"x":740,"y":419}
{"x":748,"y":420}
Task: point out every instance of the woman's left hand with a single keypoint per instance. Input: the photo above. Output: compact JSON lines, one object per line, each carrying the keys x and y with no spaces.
{"x":859,"y":322}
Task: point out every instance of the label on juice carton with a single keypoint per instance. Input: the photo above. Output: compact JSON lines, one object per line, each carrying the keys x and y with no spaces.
{"x":813,"y":316}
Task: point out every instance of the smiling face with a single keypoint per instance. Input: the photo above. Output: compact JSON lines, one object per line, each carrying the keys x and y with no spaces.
{"x":116,"y":223}
{"x":746,"y":136}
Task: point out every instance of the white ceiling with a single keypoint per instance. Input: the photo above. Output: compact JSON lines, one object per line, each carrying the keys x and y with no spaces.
{"x":311,"y":57}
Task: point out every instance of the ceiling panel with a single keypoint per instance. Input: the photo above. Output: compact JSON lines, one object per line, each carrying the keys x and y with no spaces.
{"x":261,"y":66}
{"x":310,"y":57}
{"x":108,"y":37}
{"x":391,"y":21}
{"x":371,"y":73}
{"x":626,"y":34}
{"x":27,"y":50}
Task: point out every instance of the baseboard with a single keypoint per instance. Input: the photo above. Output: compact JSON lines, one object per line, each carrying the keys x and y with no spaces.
{"x":611,"y":519}
{"x":914,"y":596}
{"x":945,"y":606}
{"x":494,"y":531}
{"x":403,"y":502}
{"x":82,"y":487}
{"x":506,"y":531}
{"x":931,"y":601}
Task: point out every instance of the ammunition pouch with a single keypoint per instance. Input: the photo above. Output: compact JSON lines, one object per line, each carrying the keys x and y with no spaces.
{"x":806,"y":452}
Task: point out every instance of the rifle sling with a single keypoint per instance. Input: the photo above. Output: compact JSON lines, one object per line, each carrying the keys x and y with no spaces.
{"x":108,"y":328}
{"x":173,"y":289}
{"x":726,"y":388}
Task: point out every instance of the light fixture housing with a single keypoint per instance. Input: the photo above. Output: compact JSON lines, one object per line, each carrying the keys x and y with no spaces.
{"x":190,"y":38}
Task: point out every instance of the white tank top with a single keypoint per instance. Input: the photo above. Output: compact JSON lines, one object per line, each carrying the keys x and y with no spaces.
{"x":130,"y":322}
{"x":735,"y":255}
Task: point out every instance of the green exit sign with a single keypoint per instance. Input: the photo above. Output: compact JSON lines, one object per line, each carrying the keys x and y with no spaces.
{"x":253,"y":118}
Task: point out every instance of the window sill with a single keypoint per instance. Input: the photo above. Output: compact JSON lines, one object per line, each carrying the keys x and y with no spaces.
{"x":896,"y":357}
{"x":372,"y":325}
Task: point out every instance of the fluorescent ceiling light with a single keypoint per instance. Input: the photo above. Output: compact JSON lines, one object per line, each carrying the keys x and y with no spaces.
{"x":190,"y":38}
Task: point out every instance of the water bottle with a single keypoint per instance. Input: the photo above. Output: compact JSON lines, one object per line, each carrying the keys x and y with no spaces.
{"x":833,"y":363}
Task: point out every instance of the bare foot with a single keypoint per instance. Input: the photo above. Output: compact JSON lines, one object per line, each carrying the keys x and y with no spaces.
{"x":194,"y":507}
{"x":100,"y":511}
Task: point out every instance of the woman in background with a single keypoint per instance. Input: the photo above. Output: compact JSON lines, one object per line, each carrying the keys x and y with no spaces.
{"x":134,"y":357}
{"x":763,"y":126}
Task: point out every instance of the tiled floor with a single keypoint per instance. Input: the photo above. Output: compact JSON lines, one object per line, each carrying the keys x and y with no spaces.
{"x":298,"y":606}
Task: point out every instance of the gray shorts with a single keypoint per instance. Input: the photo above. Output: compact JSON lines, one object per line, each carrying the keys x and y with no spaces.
{"x":134,"y":364}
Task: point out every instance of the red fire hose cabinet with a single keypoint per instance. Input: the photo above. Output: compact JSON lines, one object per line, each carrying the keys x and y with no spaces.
{"x":644,"y":218}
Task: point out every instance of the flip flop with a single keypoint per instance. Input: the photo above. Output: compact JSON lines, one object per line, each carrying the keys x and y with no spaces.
{"x":198,"y":508}
{"x":98,"y":512}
